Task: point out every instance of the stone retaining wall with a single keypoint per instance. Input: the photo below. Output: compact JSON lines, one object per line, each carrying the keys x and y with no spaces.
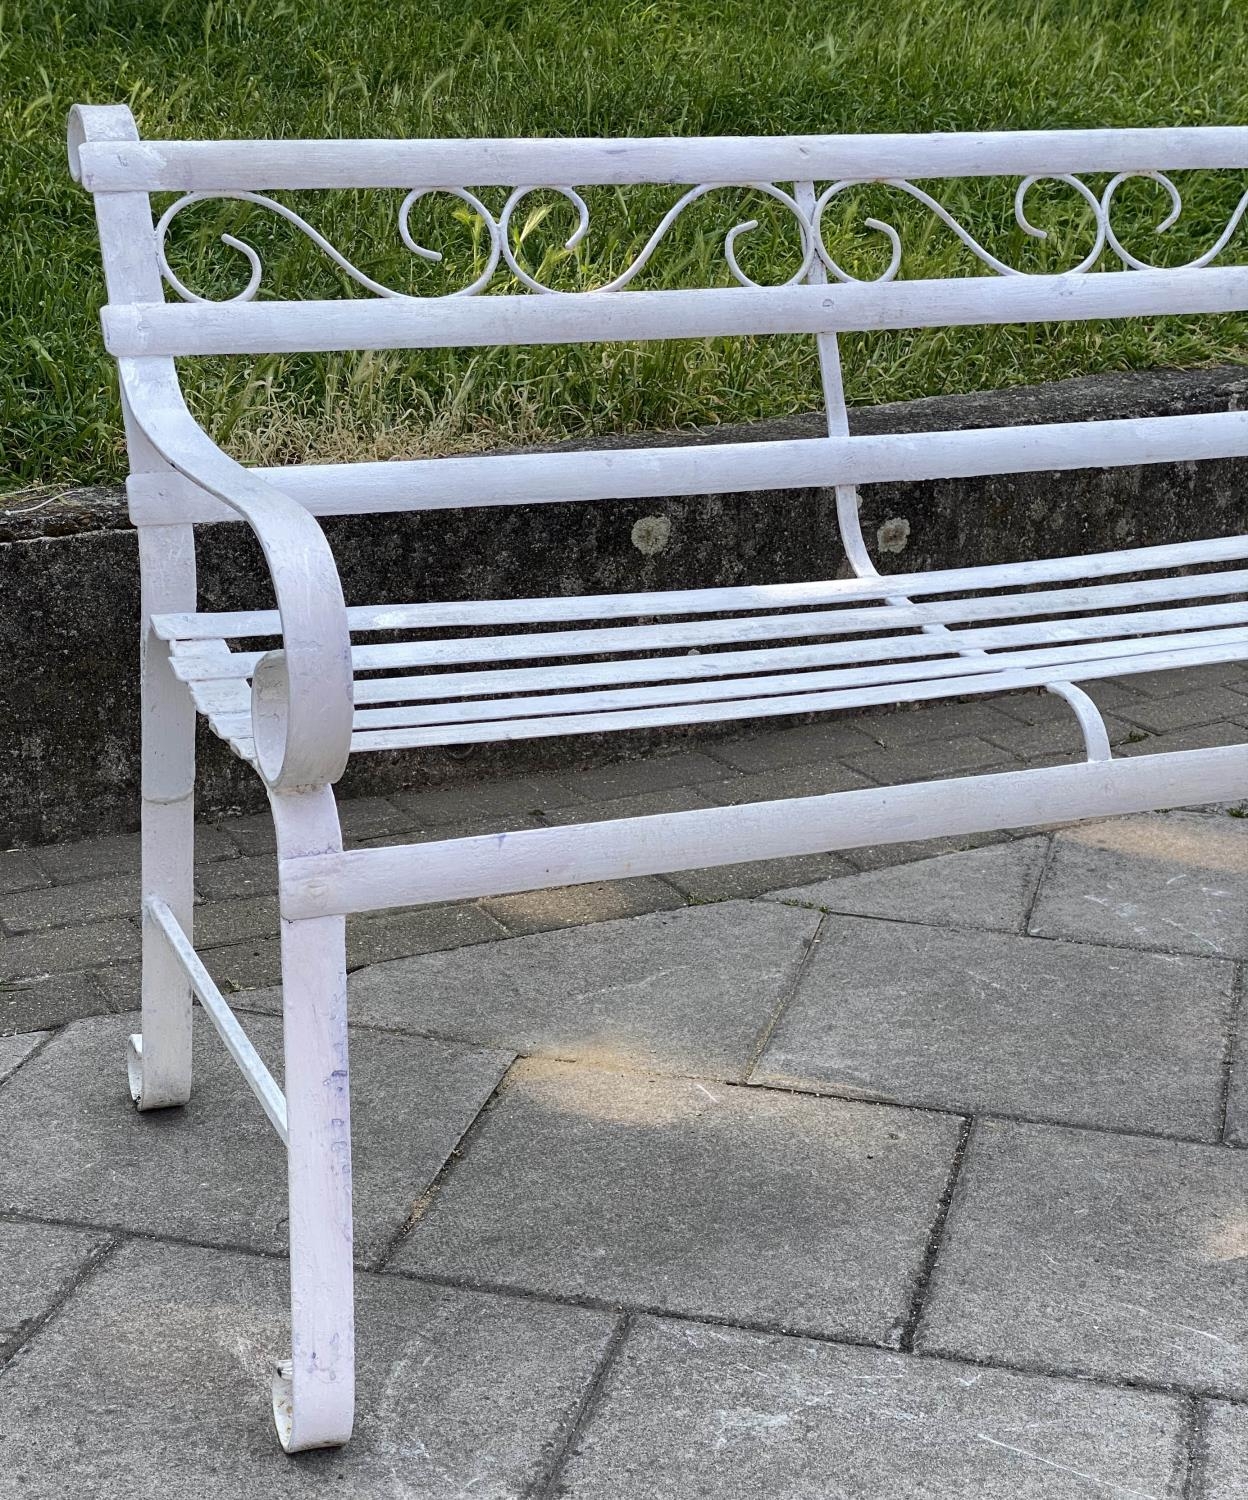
{"x":69,"y":577}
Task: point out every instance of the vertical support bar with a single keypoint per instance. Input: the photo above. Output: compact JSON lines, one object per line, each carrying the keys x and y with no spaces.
{"x":160,"y":1059}
{"x":834,"y":405}
{"x":314,"y":1392}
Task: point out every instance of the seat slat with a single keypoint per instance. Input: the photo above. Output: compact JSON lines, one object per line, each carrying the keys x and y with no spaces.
{"x":241,"y":624}
{"x":700,"y":667}
{"x":231,"y":696}
{"x":698,"y":713}
{"x":900,"y":676}
{"x":192,"y":663}
{"x":756,"y":708}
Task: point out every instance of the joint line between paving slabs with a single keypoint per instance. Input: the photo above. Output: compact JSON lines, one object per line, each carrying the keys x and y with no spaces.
{"x":935,"y":1239}
{"x":786,"y":999}
{"x":1230,"y":1050}
{"x":423,"y":1203}
{"x":1194,"y":1450}
{"x":961,"y":1111}
{"x":52,"y":1033}
{"x":548,"y":1485}
{"x":1104,"y":945}
{"x":840,"y":1340}
{"x":28,"y":1330}
{"x":1045,"y":865}
{"x":121,"y":1235}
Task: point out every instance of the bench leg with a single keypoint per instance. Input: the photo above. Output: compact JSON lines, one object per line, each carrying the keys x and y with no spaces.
{"x":160,"y":1059}
{"x":314,"y":1392}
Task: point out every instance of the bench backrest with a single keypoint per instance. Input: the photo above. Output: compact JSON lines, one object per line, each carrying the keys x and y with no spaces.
{"x":804,"y":174}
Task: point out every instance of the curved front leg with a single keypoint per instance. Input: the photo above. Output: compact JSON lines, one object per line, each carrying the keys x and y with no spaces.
{"x":314,"y":1391}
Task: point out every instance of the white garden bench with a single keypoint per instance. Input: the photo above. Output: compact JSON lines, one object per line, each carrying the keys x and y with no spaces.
{"x":492,"y":670}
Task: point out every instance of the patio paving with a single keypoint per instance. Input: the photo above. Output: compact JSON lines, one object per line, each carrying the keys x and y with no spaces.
{"x":913,"y":1171}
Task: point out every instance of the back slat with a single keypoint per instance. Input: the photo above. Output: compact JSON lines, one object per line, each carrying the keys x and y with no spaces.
{"x":722,"y":468}
{"x":140,"y":329}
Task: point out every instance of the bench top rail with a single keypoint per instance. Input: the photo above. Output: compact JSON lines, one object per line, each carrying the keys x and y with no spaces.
{"x":112,"y":166}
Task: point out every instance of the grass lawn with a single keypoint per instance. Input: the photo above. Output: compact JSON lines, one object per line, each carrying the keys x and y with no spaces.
{"x":606,"y":67}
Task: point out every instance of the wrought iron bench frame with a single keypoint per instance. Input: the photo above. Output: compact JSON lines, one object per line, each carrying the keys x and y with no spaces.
{"x":297,"y":713}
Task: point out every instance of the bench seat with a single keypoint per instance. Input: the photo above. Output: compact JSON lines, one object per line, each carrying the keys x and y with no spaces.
{"x":579,"y":665}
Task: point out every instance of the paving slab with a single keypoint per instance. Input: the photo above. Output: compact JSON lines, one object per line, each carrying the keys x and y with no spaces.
{"x":885,"y":856}
{"x":689,"y":991}
{"x":1061,"y":737}
{"x":121,"y":985}
{"x":218,"y":924}
{"x":360,"y":817}
{"x":985,"y":1021}
{"x":214,"y":1171}
{"x":237,"y":966}
{"x":1115,"y":693}
{"x":635,"y":804}
{"x":1222,"y":1473}
{"x":935,"y":721}
{"x":505,"y":797}
{"x":420,"y":929}
{"x":1175,"y":882}
{"x":1201,"y":737}
{"x":116,"y":853}
{"x":153,"y":1384}
{"x":50,"y":1000}
{"x":1205,"y":705}
{"x":1189,"y":679}
{"x":1039,"y":706}
{"x":14,"y":1050}
{"x":824,"y":740}
{"x":776,"y":782}
{"x":729,"y":1415}
{"x":1106,"y":1255}
{"x":575,"y":905}
{"x":989,"y":888}
{"x":669,"y":1194}
{"x":63,"y":905}
{"x":33,"y":954}
{"x":246,"y":875}
{"x":40,"y":1263}
{"x":925,"y":759}
{"x":19,"y":872}
{"x":757,"y":877}
{"x":380,"y":938}
{"x":645,"y":775}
